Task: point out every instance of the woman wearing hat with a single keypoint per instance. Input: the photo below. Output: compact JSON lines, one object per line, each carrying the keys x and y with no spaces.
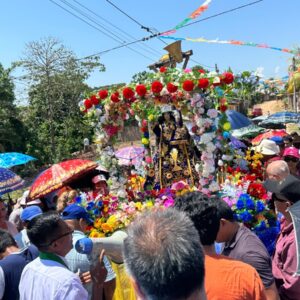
{"x":292,"y":158}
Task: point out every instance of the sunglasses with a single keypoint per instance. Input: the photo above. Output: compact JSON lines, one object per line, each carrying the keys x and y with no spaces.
{"x":291,"y":159}
{"x":58,"y":238}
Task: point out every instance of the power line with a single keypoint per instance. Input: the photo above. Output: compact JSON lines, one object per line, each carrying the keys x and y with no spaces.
{"x":134,"y":20}
{"x":160,"y":33}
{"x":91,"y":25}
{"x":222,"y":13}
{"x":118,"y":28}
{"x":85,"y":15}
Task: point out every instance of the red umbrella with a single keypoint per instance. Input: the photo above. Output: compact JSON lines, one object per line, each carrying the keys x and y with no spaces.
{"x":58,"y":175}
{"x":268,"y":135}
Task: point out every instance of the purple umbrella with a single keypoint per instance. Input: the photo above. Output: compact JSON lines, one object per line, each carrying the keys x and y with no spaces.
{"x":131,"y":155}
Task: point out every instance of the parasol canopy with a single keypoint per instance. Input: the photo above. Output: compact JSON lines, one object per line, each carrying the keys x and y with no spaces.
{"x":281,"y":118}
{"x":58,"y":175}
{"x":268,"y":134}
{"x":10,"y":159}
{"x":237,"y":120}
{"x":9,"y":181}
{"x":247,"y":132}
{"x":129,"y":156}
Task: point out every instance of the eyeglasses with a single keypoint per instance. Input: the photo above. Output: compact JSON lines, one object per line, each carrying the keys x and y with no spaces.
{"x":58,"y":238}
{"x":291,"y":159}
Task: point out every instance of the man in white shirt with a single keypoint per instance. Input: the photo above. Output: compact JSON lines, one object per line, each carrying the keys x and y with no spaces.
{"x":48,"y":276}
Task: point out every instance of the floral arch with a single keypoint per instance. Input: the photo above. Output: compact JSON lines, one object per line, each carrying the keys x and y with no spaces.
{"x":199,"y":96}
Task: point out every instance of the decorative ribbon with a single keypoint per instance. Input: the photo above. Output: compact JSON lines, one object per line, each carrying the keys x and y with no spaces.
{"x":231,"y":42}
{"x":195,"y":14}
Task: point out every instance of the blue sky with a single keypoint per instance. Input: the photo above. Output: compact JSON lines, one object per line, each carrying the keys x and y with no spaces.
{"x":274,"y":22}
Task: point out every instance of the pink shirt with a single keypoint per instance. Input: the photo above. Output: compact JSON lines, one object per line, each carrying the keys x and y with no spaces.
{"x":284,"y":264}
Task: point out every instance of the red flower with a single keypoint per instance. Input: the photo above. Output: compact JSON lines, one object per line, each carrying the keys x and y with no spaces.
{"x":194,"y":129}
{"x":144,"y":129}
{"x":103,"y":94}
{"x":156,"y":87}
{"x":162,"y":69}
{"x":128,"y":93}
{"x":141,"y":90}
{"x":94,"y":100}
{"x":88,"y":103}
{"x":171,"y":87}
{"x":201,"y":71}
{"x":227,"y":78}
{"x":223,"y":108}
{"x":203,"y":83}
{"x":115,"y":97}
{"x":188,"y":85}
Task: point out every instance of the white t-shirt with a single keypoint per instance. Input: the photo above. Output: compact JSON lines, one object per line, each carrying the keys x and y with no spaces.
{"x":47,"y":279}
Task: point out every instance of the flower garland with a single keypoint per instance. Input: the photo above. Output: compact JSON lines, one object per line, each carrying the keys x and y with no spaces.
{"x":199,"y":95}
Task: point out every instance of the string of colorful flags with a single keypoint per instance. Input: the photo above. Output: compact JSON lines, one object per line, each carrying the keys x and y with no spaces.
{"x":194,"y":15}
{"x":231,"y":42}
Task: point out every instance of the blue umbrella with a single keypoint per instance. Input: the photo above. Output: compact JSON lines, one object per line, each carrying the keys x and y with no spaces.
{"x":281,"y":118}
{"x":9,"y":181}
{"x":237,"y":120}
{"x":10,"y":159}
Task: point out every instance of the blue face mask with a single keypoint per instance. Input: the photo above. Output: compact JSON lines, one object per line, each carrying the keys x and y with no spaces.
{"x":84,"y":246}
{"x":219,"y":247}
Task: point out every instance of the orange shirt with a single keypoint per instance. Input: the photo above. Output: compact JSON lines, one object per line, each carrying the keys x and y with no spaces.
{"x":228,"y":279}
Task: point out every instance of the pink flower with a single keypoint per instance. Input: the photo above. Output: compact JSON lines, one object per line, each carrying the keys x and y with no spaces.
{"x":187,"y":70}
{"x":169,"y":202}
{"x":180,"y":185}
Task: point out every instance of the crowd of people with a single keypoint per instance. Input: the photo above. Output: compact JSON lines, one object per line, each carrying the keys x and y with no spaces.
{"x":168,"y":253}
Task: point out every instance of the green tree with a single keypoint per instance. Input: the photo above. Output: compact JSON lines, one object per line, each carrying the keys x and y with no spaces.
{"x":56,"y":77}
{"x":12,"y":134}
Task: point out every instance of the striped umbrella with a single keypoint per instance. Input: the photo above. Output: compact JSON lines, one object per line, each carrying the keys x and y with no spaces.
{"x":9,"y":181}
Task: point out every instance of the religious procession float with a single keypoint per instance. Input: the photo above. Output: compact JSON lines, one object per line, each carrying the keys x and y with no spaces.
{"x":187,"y":146}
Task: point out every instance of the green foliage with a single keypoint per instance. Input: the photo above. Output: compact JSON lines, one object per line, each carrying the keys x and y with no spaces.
{"x":55,"y":125}
{"x":12,"y":131}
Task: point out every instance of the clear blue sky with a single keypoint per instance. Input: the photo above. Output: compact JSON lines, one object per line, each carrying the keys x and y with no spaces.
{"x":275,"y":22}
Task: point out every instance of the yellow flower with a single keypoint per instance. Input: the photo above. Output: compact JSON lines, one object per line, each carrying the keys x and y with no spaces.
{"x":107,"y":228}
{"x":150,"y":118}
{"x":227,"y":126}
{"x":138,"y":205}
{"x":97,"y":223}
{"x":96,"y":234}
{"x":145,"y":141}
{"x":149,"y":204}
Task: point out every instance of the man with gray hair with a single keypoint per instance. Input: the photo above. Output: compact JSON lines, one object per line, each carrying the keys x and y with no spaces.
{"x":277,"y":170}
{"x":164,"y":257}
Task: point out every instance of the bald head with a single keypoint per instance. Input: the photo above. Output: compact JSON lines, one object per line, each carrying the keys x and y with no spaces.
{"x":278,"y":170}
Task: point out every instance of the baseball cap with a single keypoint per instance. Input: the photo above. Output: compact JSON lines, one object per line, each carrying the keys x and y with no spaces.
{"x":30,"y":212}
{"x":76,"y":212}
{"x":291,"y":151}
{"x":277,"y":139}
{"x":288,"y":188}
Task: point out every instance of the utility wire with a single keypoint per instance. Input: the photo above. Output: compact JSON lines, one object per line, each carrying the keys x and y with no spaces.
{"x":97,"y":28}
{"x":85,"y":15}
{"x":134,"y":20}
{"x":159,"y":33}
{"x":118,"y":28}
{"x":221,"y":13}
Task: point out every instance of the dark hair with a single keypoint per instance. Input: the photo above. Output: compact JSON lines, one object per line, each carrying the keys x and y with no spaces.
{"x":6,"y":240}
{"x":43,"y":229}
{"x":163,"y":254}
{"x":204,"y":215}
{"x":223,"y":210}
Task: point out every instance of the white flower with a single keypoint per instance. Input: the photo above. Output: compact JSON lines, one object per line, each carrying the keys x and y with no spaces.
{"x":214,"y":186}
{"x":206,"y":137}
{"x":212,"y":113}
{"x":210,"y":147}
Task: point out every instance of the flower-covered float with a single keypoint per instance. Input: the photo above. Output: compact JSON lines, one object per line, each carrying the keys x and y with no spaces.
{"x":185,"y":112}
